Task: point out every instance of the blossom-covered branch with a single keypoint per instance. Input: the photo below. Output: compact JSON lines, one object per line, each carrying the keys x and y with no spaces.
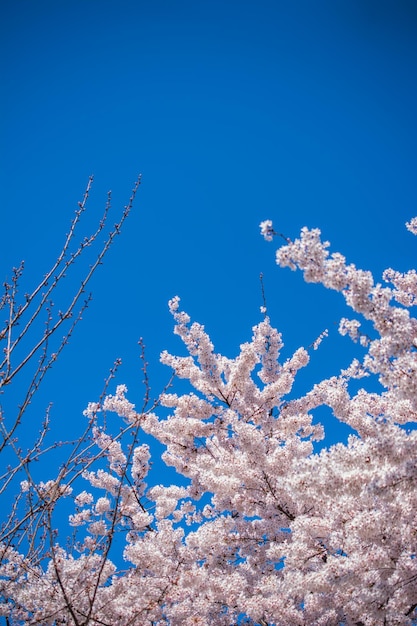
{"x":263,"y":527}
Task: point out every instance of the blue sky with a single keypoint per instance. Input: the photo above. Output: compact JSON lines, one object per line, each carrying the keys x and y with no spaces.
{"x":234,"y":112}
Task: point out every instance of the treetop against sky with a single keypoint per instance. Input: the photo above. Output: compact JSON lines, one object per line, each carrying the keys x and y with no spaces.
{"x":298,"y":116}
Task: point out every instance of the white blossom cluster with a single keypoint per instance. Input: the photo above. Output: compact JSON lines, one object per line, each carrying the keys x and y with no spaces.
{"x":392,"y":355}
{"x":267,"y":230}
{"x":412,"y":225}
{"x":266,"y":529}
{"x":120,"y":405}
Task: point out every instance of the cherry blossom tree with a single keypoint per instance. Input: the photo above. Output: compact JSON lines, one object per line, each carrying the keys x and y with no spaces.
{"x":264,"y":528}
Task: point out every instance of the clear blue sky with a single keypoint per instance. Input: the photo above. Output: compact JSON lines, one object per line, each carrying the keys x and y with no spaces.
{"x":302,"y":112}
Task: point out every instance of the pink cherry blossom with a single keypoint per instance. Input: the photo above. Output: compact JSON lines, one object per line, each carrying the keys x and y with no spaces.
{"x":264,"y":527}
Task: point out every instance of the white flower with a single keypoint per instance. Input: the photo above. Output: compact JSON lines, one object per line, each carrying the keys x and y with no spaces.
{"x":92,"y":409}
{"x":412,"y":225}
{"x":102,"y":505}
{"x":267,"y":230}
{"x":83,"y":498}
{"x":119,"y":404}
